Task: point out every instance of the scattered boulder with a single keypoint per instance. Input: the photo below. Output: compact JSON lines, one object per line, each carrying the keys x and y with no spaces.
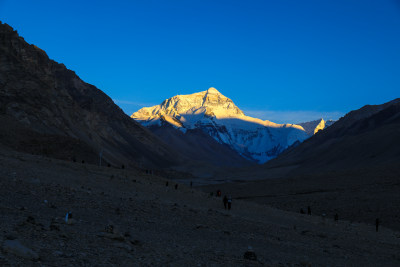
{"x":111,"y":232}
{"x":54,"y":226}
{"x":136,"y":242}
{"x":118,"y":211}
{"x":116,"y":237}
{"x":201,"y":226}
{"x":58,"y":253}
{"x":31,"y":220}
{"x":15,"y":247}
{"x":122,"y":245}
{"x":249,"y":254}
{"x":109,"y":229}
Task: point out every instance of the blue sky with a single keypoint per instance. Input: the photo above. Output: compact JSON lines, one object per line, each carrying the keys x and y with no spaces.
{"x":285,"y":61}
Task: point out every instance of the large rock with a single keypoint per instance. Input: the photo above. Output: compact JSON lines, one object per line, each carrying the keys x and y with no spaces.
{"x":250,"y":254}
{"x":15,"y":247}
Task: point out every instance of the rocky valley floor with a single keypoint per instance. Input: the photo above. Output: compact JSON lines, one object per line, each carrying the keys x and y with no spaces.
{"x":127,"y":218}
{"x":355,"y":195}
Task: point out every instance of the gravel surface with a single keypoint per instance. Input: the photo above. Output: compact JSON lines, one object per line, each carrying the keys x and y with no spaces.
{"x":127,"y":218}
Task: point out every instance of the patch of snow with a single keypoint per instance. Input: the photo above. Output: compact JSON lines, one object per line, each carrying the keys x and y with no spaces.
{"x":312,"y":127}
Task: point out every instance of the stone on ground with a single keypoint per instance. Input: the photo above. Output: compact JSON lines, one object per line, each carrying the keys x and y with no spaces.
{"x":15,"y":247}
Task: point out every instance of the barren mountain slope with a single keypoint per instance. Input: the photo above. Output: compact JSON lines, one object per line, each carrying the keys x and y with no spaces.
{"x":363,"y":138}
{"x":54,"y":104}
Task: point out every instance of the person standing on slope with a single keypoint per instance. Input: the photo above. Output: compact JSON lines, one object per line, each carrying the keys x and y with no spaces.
{"x":225,"y":200}
{"x":229,"y":202}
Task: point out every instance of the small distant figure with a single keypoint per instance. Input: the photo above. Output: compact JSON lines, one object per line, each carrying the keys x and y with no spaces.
{"x":302,"y":211}
{"x":377,"y":224}
{"x":225,"y":200}
{"x":219,"y":193}
{"x":166,"y":184}
{"x":308,"y":210}
{"x":68,"y":216}
{"x":176,"y":186}
{"x":336,"y":217}
{"x":229,"y":202}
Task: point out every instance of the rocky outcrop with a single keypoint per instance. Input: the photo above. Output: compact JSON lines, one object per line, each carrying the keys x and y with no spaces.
{"x":15,"y":247}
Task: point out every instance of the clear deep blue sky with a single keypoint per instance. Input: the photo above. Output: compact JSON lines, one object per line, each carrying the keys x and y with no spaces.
{"x":286,"y":61}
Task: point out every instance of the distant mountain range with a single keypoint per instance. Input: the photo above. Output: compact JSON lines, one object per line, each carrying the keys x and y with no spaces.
{"x":217,"y":116}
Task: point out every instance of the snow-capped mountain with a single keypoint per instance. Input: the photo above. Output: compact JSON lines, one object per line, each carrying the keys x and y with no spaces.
{"x":312,"y":127}
{"x":220,"y":118}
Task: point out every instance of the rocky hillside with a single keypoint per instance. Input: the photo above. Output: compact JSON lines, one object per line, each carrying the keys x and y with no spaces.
{"x":47,"y":109}
{"x":217,"y":116}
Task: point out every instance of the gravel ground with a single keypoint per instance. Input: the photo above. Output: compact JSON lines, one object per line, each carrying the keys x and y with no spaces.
{"x":127,"y":218}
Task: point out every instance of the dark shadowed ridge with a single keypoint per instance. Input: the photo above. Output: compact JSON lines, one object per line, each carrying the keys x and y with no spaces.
{"x":363,"y":138}
{"x":47,"y":109}
{"x":208,"y":156}
{"x":199,"y":146}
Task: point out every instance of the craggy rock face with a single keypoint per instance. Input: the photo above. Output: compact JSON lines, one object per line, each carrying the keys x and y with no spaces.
{"x":45,"y":97}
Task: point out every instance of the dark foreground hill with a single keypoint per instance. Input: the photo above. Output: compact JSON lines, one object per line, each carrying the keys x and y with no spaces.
{"x":351,"y":169}
{"x":47,"y":109}
{"x":124,"y":218}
